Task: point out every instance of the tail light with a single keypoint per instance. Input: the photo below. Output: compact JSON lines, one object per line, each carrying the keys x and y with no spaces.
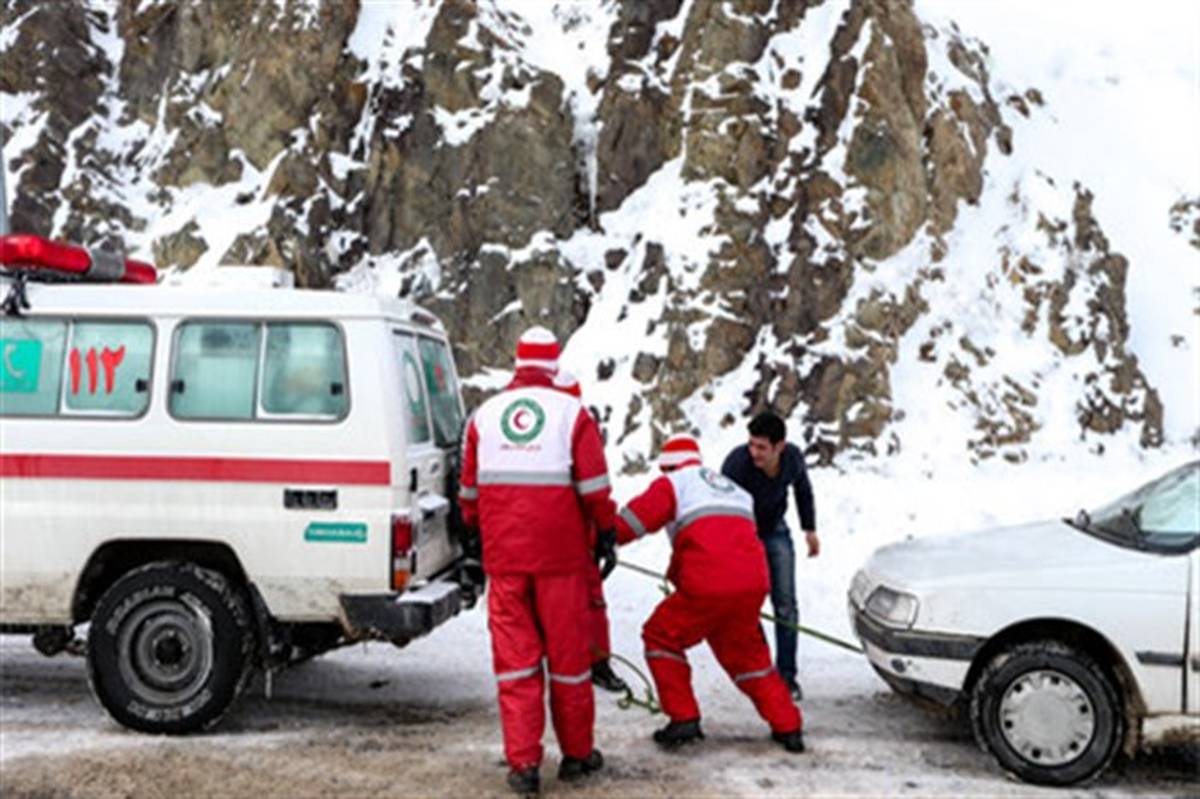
{"x":402,"y":541}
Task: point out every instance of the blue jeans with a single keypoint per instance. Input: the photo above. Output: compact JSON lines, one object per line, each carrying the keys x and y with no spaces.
{"x":781,"y":563}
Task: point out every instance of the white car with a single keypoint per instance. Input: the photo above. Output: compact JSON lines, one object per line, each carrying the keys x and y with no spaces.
{"x":1070,"y":640}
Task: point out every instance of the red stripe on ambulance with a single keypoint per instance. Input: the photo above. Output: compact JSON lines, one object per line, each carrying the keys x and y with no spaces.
{"x":235,"y":470}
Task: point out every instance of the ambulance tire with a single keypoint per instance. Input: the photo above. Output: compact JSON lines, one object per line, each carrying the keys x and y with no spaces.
{"x":170,"y":647}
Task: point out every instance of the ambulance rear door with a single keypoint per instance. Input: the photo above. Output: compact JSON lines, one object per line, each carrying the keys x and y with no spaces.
{"x":430,"y":448}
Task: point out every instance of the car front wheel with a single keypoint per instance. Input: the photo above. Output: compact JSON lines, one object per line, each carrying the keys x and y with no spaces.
{"x":1048,"y":713}
{"x":169,"y":647}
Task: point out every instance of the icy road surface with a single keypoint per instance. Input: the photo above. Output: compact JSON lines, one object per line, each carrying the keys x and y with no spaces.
{"x":376,"y":721}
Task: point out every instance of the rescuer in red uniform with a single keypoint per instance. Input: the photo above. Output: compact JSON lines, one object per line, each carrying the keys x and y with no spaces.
{"x":719,"y":569}
{"x":603,"y":675}
{"x":533,"y":479}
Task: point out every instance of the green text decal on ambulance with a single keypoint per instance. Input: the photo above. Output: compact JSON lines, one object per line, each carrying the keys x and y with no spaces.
{"x":217,"y":480}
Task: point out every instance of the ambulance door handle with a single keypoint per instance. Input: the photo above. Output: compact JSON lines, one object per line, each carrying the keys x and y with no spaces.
{"x":412,"y":480}
{"x":141,"y":385}
{"x":177,"y":385}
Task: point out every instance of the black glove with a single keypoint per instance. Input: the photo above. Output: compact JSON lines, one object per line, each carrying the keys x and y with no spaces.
{"x":606,"y":552}
{"x":472,"y":578}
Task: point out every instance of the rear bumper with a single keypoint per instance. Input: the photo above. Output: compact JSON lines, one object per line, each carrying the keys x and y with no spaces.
{"x":399,"y":618}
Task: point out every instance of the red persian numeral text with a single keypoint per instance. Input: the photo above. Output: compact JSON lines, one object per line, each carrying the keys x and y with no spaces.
{"x":111,"y":359}
{"x":76,"y":366}
{"x":107,"y":358}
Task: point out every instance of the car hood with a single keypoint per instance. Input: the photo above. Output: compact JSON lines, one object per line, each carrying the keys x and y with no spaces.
{"x":1029,"y":551}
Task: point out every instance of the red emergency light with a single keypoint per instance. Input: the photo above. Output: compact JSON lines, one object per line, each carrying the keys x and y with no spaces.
{"x":35,"y":253}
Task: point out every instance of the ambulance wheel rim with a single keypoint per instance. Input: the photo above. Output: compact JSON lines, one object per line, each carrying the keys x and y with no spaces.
{"x":165,"y":650}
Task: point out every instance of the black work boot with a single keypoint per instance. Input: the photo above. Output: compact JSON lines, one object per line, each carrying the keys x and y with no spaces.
{"x":574,"y":768}
{"x":678,"y":733}
{"x":792,"y":741}
{"x":526,"y":782}
{"x":604,"y":677}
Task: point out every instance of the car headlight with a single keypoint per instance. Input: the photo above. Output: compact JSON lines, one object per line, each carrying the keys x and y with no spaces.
{"x":893,"y":608}
{"x":860,"y":588}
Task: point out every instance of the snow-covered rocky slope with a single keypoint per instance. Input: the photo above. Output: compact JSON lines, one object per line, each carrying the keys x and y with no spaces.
{"x":937,"y":231}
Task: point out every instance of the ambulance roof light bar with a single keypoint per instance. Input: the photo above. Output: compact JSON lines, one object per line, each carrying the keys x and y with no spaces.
{"x":35,"y":254}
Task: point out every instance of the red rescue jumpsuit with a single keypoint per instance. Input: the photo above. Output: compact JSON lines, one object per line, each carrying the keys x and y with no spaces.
{"x":598,"y":608}
{"x":533,"y":479}
{"x":719,"y":567}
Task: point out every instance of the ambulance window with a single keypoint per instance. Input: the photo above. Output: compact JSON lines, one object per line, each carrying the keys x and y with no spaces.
{"x":304,"y":371}
{"x":414,"y":391}
{"x":108,"y":368}
{"x":216,"y":365}
{"x":31,"y":365}
{"x":438,"y":369}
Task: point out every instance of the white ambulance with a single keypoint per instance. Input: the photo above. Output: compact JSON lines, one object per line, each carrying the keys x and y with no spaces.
{"x":218,"y":480}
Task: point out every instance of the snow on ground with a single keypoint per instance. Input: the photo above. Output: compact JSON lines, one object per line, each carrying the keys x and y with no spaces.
{"x":373,"y":720}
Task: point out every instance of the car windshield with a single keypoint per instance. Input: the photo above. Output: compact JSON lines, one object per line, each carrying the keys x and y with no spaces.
{"x":1163,"y":515}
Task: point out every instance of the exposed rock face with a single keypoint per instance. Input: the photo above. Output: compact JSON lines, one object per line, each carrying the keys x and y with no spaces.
{"x":52,"y":47}
{"x":641,"y":125}
{"x":1118,"y":393}
{"x":1185,"y":219}
{"x":762,"y":198}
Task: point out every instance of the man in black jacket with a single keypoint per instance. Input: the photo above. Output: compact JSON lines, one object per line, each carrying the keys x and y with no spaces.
{"x":767,"y":467}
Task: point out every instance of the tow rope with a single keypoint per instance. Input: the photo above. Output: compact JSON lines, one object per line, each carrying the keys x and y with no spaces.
{"x":800,"y":628}
{"x":649,"y":701}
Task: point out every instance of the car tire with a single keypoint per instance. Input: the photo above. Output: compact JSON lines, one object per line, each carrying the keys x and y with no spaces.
{"x":1048,"y":713}
{"x":170,"y":647}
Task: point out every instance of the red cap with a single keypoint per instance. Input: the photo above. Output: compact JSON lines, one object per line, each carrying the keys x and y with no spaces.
{"x":681,"y":449}
{"x":538,"y":349}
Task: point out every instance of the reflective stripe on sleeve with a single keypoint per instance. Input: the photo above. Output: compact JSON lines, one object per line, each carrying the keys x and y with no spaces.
{"x":525,"y":478}
{"x":752,"y":675}
{"x":519,"y":674}
{"x":662,"y":653}
{"x":633,"y":521}
{"x":468,"y":493}
{"x":592,"y":485}
{"x":571,"y":679}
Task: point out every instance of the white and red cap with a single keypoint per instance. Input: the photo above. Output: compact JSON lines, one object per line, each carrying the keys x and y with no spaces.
{"x":679,"y":450}
{"x":567,"y":382}
{"x":538,"y":349}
